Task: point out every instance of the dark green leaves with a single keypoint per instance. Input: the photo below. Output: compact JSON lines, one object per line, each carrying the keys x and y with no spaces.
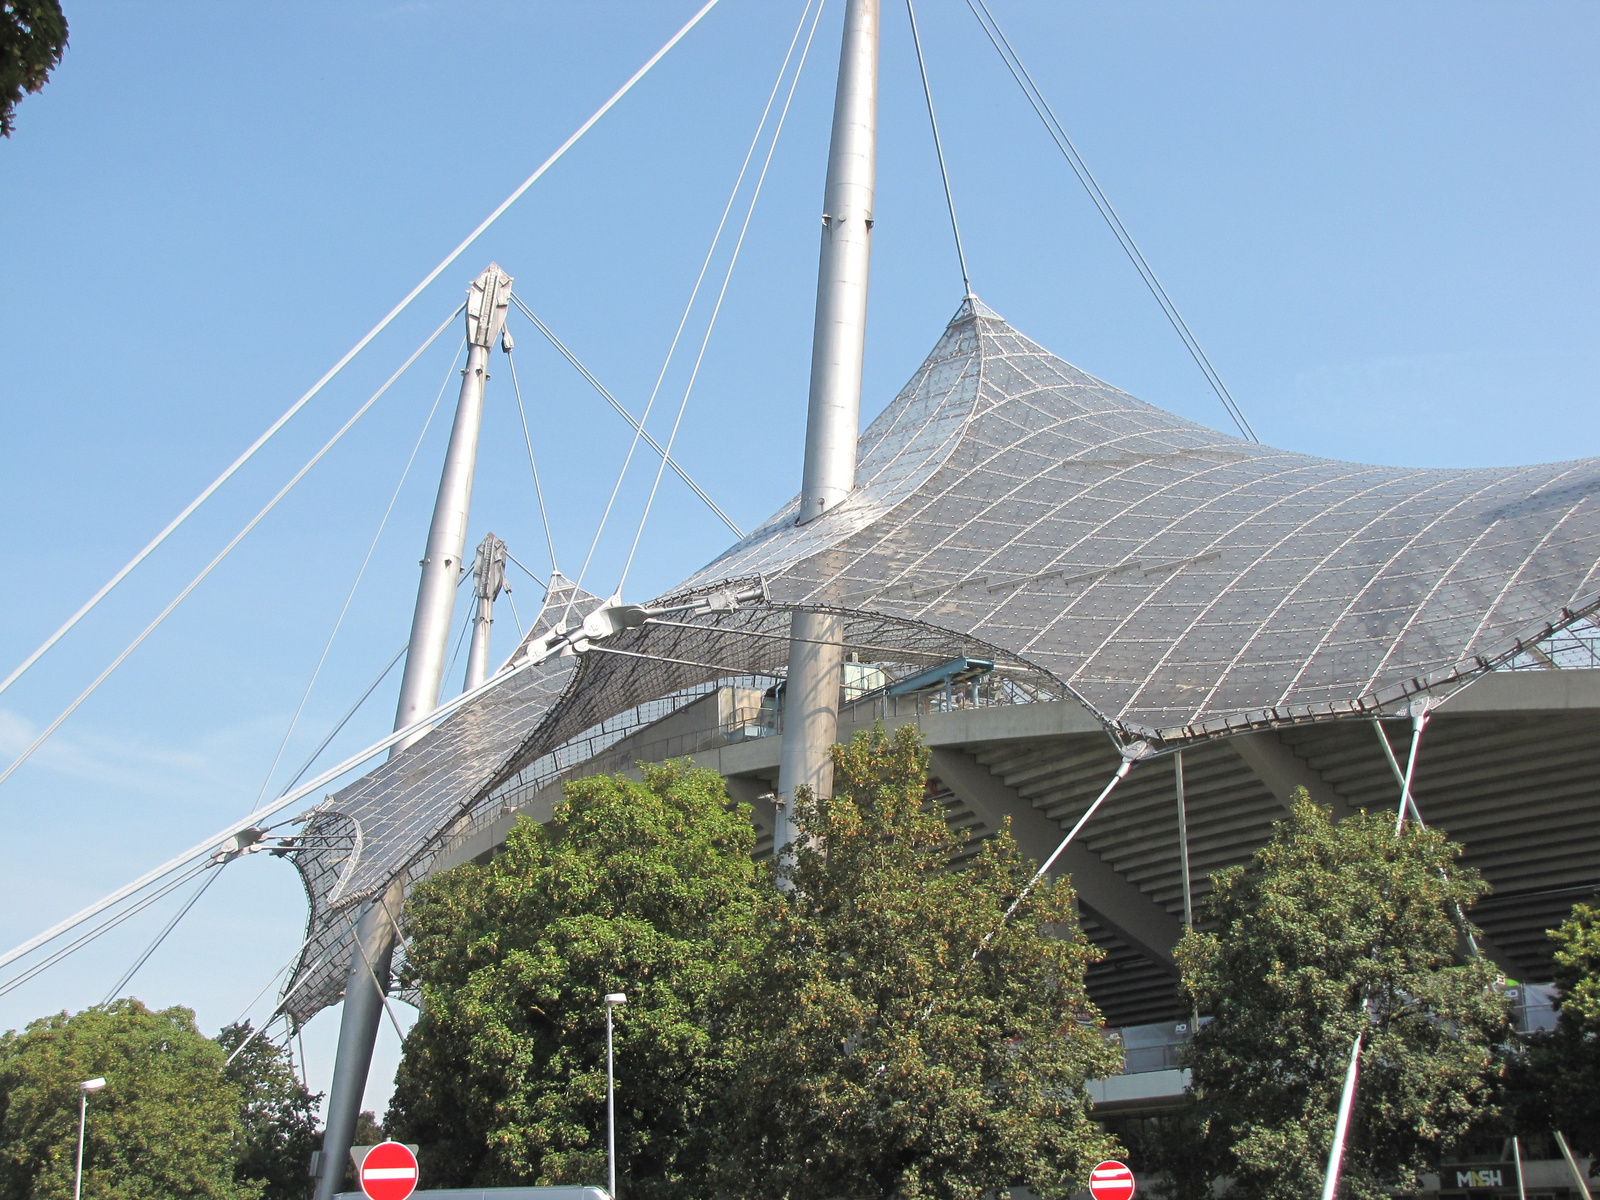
{"x":644,"y":888}
{"x":33,"y":34}
{"x":880,"y":1059}
{"x":166,"y":1126}
{"x":1333,"y":930}
{"x":835,"y":1037}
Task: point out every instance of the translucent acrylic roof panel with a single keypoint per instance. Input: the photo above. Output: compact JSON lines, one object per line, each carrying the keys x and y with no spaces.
{"x":1180,"y":582}
{"x":1177,"y":579}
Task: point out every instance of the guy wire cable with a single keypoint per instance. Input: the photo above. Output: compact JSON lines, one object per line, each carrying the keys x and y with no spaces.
{"x":210,"y":844}
{"x":938,"y":150}
{"x":538,"y":488}
{"x":353,"y":709}
{"x":344,"y":720}
{"x":405,"y":303}
{"x":605,"y":393}
{"x":716,"y":309}
{"x":361,"y":572}
{"x":223,"y":553}
{"x":512,"y":558}
{"x":183,"y":911}
{"x":1058,"y":134}
{"x":515,"y":616}
{"x":461,"y":639}
{"x":105,"y":926}
{"x":694,"y":294}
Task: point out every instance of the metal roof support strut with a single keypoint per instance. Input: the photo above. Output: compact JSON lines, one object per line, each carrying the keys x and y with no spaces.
{"x":833,"y":416}
{"x":488,"y":580}
{"x":487,"y":301}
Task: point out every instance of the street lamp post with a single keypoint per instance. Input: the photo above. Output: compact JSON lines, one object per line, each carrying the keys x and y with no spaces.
{"x":611,"y":1001}
{"x":84,"y":1088}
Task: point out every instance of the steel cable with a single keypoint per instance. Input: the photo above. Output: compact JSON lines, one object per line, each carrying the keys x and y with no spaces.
{"x":938,"y":150}
{"x":716,"y":309}
{"x":358,"y":347}
{"x":1058,"y":134}
{"x":105,"y":926}
{"x":562,"y":349}
{"x":527,"y":438}
{"x":221,"y":554}
{"x":356,"y":583}
{"x":694,"y":294}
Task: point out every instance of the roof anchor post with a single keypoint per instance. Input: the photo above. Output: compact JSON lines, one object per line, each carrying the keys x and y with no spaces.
{"x":488,"y":581}
{"x":833,"y":416}
{"x":367,"y":978}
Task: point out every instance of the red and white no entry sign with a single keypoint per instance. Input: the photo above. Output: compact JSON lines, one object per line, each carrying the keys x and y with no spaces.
{"x":389,"y":1172}
{"x":1111,"y":1180}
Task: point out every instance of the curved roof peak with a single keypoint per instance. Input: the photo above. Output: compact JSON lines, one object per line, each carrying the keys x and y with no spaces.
{"x":1175,"y":576}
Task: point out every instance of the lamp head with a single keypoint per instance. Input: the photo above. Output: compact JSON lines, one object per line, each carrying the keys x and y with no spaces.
{"x":91,"y":1085}
{"x":615,"y":998}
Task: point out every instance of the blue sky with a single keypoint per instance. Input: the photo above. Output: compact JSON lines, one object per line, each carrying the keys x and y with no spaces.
{"x":1377,"y":218}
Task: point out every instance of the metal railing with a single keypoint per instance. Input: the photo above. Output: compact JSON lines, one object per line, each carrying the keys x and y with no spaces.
{"x":1149,"y":1047}
{"x":1576,"y":648}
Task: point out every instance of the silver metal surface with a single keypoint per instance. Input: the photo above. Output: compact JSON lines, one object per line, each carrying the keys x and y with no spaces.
{"x":833,"y":419}
{"x":833,"y":416}
{"x":488,"y":579}
{"x":367,"y":970}
{"x":447,"y":535}
{"x":1183,"y":842}
{"x":358,"y":1032}
{"x":810,"y":713}
{"x":1341,"y":1125}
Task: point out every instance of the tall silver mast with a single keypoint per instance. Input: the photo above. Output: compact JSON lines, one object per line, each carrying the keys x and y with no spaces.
{"x":833,"y":417}
{"x":368,"y":977}
{"x":487,"y":301}
{"x":488,"y":579}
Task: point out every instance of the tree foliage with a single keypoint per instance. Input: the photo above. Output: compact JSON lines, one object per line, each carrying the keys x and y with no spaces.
{"x":645,"y":888}
{"x":1554,"y":1078}
{"x":165,"y":1127}
{"x":1330,"y":931}
{"x":278,"y":1116}
{"x":33,"y":35}
{"x":833,"y":1037}
{"x":879,"y":1058}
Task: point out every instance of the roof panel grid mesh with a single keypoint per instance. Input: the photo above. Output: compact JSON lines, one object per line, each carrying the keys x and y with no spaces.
{"x":1181,"y":583}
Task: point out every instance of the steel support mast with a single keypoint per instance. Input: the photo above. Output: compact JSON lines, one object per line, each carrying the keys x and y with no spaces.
{"x":367,"y":980}
{"x":833,"y":416}
{"x":488,"y":580}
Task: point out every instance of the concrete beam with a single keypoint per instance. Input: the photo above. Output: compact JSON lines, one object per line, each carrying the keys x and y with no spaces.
{"x":1116,"y":903}
{"x":1282,"y":770}
{"x":1526,"y":692}
{"x":757,"y":793}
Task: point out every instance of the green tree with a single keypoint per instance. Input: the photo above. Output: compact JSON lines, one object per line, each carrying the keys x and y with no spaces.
{"x":33,"y":35}
{"x":880,"y":1056}
{"x":1331,"y":930}
{"x":645,"y":888}
{"x":278,"y":1116}
{"x":1553,"y":1078}
{"x":165,"y":1127}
